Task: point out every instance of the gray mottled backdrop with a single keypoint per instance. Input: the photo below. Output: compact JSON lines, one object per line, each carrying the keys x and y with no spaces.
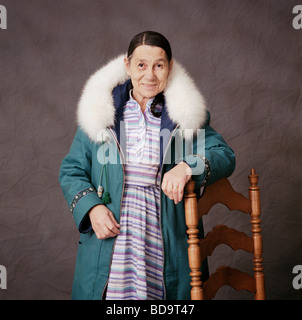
{"x":245,"y":56}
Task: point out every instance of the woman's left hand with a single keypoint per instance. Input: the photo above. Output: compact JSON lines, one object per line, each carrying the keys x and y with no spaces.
{"x":174,"y":181}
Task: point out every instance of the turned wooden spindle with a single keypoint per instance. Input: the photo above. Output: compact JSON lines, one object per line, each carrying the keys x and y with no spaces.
{"x":192,"y":220}
{"x":254,"y":195}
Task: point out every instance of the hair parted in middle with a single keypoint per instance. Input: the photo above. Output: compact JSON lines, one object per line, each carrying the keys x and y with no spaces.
{"x":150,"y":38}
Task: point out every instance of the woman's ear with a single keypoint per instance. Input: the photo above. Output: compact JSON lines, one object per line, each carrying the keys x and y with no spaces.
{"x":127,"y":65}
{"x":171,"y":65}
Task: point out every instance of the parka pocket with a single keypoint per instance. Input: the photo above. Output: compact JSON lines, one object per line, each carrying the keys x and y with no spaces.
{"x":84,"y":237}
{"x":87,"y":265}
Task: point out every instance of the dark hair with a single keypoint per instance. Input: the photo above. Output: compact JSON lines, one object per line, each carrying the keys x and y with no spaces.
{"x":150,"y":38}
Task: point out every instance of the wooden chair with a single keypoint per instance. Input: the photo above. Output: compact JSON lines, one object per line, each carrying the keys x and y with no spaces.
{"x":222,"y":192}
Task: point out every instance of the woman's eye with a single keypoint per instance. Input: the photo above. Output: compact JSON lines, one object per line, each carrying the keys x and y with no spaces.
{"x":159,"y":66}
{"x":141,"y":65}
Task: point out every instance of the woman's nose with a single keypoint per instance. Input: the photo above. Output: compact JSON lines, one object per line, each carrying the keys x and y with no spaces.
{"x":149,"y":73}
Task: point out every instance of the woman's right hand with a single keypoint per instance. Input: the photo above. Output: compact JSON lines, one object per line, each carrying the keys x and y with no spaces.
{"x":103,"y":222}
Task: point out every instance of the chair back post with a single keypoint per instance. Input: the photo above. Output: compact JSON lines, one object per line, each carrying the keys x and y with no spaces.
{"x":192,"y":219}
{"x":254,"y":195}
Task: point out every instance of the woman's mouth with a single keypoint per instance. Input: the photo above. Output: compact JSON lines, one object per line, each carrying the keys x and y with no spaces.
{"x":149,"y":86}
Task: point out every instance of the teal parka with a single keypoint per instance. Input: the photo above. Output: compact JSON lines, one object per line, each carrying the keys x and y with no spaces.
{"x":186,"y":135}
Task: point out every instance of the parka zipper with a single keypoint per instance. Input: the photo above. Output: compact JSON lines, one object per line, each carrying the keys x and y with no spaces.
{"x":122,"y":157}
{"x":161,"y":232}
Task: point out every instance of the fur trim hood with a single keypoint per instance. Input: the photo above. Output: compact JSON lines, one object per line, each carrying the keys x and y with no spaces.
{"x":96,"y":111}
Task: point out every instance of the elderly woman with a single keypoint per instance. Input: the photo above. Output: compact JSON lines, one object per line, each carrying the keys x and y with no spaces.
{"x":136,"y":147}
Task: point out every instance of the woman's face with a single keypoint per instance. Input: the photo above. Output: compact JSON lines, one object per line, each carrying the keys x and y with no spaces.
{"x":149,"y":69}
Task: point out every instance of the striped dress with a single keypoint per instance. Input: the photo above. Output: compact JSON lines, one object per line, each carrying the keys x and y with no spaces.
{"x":137,"y":262}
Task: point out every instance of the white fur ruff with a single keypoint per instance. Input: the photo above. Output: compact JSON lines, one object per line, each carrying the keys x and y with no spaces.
{"x":96,"y":111}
